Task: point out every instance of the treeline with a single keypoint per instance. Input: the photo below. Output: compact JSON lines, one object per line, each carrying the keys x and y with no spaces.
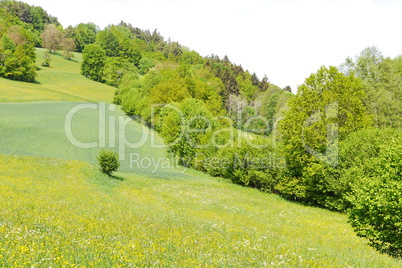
{"x":149,"y":70}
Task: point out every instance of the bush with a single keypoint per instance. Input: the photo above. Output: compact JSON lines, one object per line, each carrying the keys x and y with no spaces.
{"x":108,"y":161}
{"x":376,"y":212}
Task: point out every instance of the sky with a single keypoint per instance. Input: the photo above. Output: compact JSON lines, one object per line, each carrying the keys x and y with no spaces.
{"x":287,"y":40}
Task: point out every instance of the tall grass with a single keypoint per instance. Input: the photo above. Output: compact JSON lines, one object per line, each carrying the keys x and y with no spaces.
{"x":67,"y":214}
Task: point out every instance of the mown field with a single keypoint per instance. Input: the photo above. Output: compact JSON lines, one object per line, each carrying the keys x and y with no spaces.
{"x":59,"y":82}
{"x":39,"y":129}
{"x":59,"y":210}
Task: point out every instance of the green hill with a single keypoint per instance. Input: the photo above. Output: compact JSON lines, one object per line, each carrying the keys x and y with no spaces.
{"x":61,"y":81}
{"x":67,"y":214}
{"x":58,"y":210}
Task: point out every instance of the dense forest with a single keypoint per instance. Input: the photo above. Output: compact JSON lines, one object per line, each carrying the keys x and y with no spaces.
{"x":337,"y":143}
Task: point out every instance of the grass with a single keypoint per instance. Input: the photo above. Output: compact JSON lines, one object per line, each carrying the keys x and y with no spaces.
{"x":58,"y":210}
{"x":61,"y":81}
{"x":58,"y":213}
{"x":38,"y":129}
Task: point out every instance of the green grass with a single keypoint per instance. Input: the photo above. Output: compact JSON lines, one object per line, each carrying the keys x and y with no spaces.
{"x":58,"y":213}
{"x":38,"y":129}
{"x":61,"y":81}
{"x":58,"y":210}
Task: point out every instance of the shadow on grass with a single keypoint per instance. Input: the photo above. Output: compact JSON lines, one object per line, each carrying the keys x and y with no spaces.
{"x":73,"y":60}
{"x":116,"y":177}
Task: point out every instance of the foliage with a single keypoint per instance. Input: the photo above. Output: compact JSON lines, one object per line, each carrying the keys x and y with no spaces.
{"x":376,"y":199}
{"x":93,"y":62}
{"x":382,"y":79}
{"x":115,"y":69}
{"x":62,"y":82}
{"x":145,"y":64}
{"x":108,"y":161}
{"x":83,"y":34}
{"x":327,"y":107}
{"x":116,"y":42}
{"x":46,"y":60}
{"x":52,"y":38}
{"x":17,"y":55}
{"x":184,"y":126}
{"x":68,"y":46}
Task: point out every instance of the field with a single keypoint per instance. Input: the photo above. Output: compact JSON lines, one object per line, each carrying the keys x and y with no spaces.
{"x":59,"y":82}
{"x":59,"y":210}
{"x":60,"y":213}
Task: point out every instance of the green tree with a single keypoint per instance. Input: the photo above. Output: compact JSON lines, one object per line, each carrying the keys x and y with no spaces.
{"x":117,"y":42}
{"x":172,"y":90}
{"x":145,"y":64}
{"x":247,"y":89}
{"x":115,"y":69}
{"x":84,"y":34}
{"x":376,"y":212}
{"x":108,"y":161}
{"x":93,"y":62}
{"x":17,"y":55}
{"x":328,"y":106}
{"x":382,"y":79}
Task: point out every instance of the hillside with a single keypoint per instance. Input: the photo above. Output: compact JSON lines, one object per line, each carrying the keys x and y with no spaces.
{"x":65,"y":213}
{"x":59,"y":82}
{"x":275,"y":160}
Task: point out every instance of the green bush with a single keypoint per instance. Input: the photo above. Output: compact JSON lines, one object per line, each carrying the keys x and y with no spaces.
{"x":108,"y":161}
{"x":376,"y":212}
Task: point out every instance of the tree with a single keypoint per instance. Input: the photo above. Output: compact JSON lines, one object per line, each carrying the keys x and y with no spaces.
{"x":17,"y":55}
{"x":108,"y":161}
{"x":328,"y":106}
{"x":84,"y":34}
{"x":93,"y":62}
{"x":68,"y":46}
{"x":114,"y":70}
{"x":376,"y":212}
{"x":382,"y":79}
{"x":247,"y":89}
{"x":52,"y":38}
{"x":172,"y":90}
{"x":117,"y":42}
{"x":145,"y":64}
{"x":288,"y":89}
{"x":46,"y":60}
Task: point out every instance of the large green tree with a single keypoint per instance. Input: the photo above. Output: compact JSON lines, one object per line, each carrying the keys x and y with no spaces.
{"x":93,"y":62}
{"x":382,"y":80}
{"x":328,"y":106}
{"x":117,"y":42}
{"x":17,"y":55}
{"x":84,"y":34}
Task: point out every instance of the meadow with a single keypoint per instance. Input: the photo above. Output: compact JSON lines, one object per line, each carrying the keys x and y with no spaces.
{"x":58,"y":213}
{"x":59,"y":82}
{"x":59,"y":210}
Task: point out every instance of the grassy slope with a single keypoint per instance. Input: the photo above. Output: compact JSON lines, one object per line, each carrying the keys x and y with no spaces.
{"x":38,"y":129}
{"x":61,"y":82}
{"x":65,"y":213}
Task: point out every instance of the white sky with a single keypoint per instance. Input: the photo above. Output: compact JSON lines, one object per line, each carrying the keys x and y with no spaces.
{"x":285,"y":39}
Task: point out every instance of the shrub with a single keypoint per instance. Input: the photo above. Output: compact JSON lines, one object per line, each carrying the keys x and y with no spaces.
{"x":46,"y":59}
{"x":376,"y":212}
{"x":108,"y":161}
